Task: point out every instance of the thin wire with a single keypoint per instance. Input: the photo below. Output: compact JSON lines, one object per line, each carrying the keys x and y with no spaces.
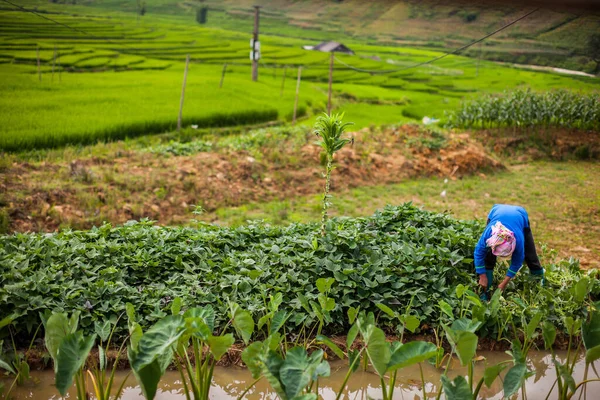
{"x":378,"y":72}
{"x":67,"y":26}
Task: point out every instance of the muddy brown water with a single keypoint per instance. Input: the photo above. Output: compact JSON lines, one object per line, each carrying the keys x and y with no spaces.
{"x":230,"y":382}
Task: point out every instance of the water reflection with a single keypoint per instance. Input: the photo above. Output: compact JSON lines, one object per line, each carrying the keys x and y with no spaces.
{"x":229,"y":383}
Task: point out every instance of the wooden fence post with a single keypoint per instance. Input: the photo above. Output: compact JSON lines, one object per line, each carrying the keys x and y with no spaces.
{"x":297,"y":92}
{"x":223,"y":75}
{"x":283,"y":81}
{"x":187,"y":61}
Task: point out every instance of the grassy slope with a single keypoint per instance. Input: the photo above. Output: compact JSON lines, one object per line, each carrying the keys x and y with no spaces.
{"x":149,"y":54}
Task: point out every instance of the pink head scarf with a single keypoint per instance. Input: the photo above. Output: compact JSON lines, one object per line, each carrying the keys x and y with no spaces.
{"x":502,"y":241}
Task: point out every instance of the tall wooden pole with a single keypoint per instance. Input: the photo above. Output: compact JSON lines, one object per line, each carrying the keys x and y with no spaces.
{"x":187,"y":62}
{"x":223,"y":75}
{"x":37,"y":52}
{"x":330,"y":83}
{"x":283,"y":81}
{"x":297,"y":92}
{"x":255,"y":44}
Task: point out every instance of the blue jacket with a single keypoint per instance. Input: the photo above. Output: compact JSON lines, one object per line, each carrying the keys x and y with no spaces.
{"x":514,"y":218}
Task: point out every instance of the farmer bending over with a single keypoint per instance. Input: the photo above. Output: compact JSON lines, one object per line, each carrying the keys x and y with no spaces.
{"x":507,"y":235}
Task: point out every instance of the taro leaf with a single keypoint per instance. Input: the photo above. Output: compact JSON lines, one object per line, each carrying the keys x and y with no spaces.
{"x":207,"y":313}
{"x":460,"y":290}
{"x":352,"y":313}
{"x":242,"y":321}
{"x":195,"y":326}
{"x":324,"y":284}
{"x":458,"y":389}
{"x":386,"y":310}
{"x":263,"y":320}
{"x":332,"y":346}
{"x":580,"y":290}
{"x":148,"y":376}
{"x":71,"y":355}
{"x":270,"y":365}
{"x":57,"y":327}
{"x":326,"y":303}
{"x":352,"y":333}
{"x":275,"y":301}
{"x":549,"y":334}
{"x":304,"y":303}
{"x":102,"y":330}
{"x":491,"y":373}
{"x":273,"y":341}
{"x":307,"y":396}
{"x":591,"y":329}
{"x":411,"y":322}
{"x":466,"y":346}
{"x":219,"y":345}
{"x":565,"y":374}
{"x":323,"y":370}
{"x":377,"y":349}
{"x":474,"y":300}
{"x":297,"y":370}
{"x":354,"y":359}
{"x":6,"y":321}
{"x":466,"y":325}
{"x":135,"y":332}
{"x":23,"y":367}
{"x":101,"y":358}
{"x":533,"y":324}
{"x":252,"y":357}
{"x":176,"y":306}
{"x":6,"y":366}
{"x":514,"y":379}
{"x":572,"y":325}
{"x":592,"y":354}
{"x":494,"y":304}
{"x":446,"y":308}
{"x":411,"y":353}
{"x":278,"y":320}
{"x":517,"y":353}
{"x":158,"y":341}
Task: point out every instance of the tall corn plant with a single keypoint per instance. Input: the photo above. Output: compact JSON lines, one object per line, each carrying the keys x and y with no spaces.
{"x":330,"y":129}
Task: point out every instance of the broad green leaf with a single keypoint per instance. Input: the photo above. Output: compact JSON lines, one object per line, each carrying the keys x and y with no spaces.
{"x":148,"y":376}
{"x":307,"y":396}
{"x":57,"y":327}
{"x":514,"y":379}
{"x":297,"y":370}
{"x":580,"y":290}
{"x":458,"y":389}
{"x":474,"y":300}
{"x":565,"y":374}
{"x":158,"y":340}
{"x":263,"y":320}
{"x":591,"y":329}
{"x":491,"y":373}
{"x":377,"y":349}
{"x":386,"y":310}
{"x":324,"y":284}
{"x":354,"y":359}
{"x":278,"y":321}
{"x":460,"y":290}
{"x":6,"y":366}
{"x":252,"y":356}
{"x":207,"y":314}
{"x":135,"y":335}
{"x":72,"y":352}
{"x":517,"y":352}
{"x":446,"y":308}
{"x":466,"y":346}
{"x":411,"y":322}
{"x":196,"y":326}
{"x":592,"y":354}
{"x":271,"y":364}
{"x":332,"y":346}
{"x":323,"y":370}
{"x":102,"y":330}
{"x":273,"y":341}
{"x":275,"y":301}
{"x":6,"y":321}
{"x":466,"y":325}
{"x":130,"y":311}
{"x":533,"y":324}
{"x":326,"y":303}
{"x":304,"y":303}
{"x":573,"y":325}
{"x":176,"y":306}
{"x":352,"y":333}
{"x":352,"y":313}
{"x":494,"y":304}
{"x":549,"y":334}
{"x":411,"y":353}
{"x":101,"y":358}
{"x":242,"y":322}
{"x":219,"y":345}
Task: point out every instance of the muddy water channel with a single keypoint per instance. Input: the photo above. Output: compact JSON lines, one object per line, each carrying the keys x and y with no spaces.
{"x":230,"y":382}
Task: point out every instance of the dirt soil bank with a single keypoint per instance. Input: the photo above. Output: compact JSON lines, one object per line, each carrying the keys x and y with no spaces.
{"x":81,"y":193}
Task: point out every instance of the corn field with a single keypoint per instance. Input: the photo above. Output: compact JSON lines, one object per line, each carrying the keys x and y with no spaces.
{"x":525,"y":108}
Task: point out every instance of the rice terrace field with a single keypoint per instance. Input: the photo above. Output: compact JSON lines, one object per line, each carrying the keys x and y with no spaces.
{"x":267,"y":249}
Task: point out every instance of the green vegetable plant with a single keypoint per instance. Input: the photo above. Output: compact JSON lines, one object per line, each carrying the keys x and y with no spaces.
{"x":330,"y":129}
{"x":319,"y":310}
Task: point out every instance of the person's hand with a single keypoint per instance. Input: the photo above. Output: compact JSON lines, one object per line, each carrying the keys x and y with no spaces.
{"x":503,"y":284}
{"x":483,"y":280}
